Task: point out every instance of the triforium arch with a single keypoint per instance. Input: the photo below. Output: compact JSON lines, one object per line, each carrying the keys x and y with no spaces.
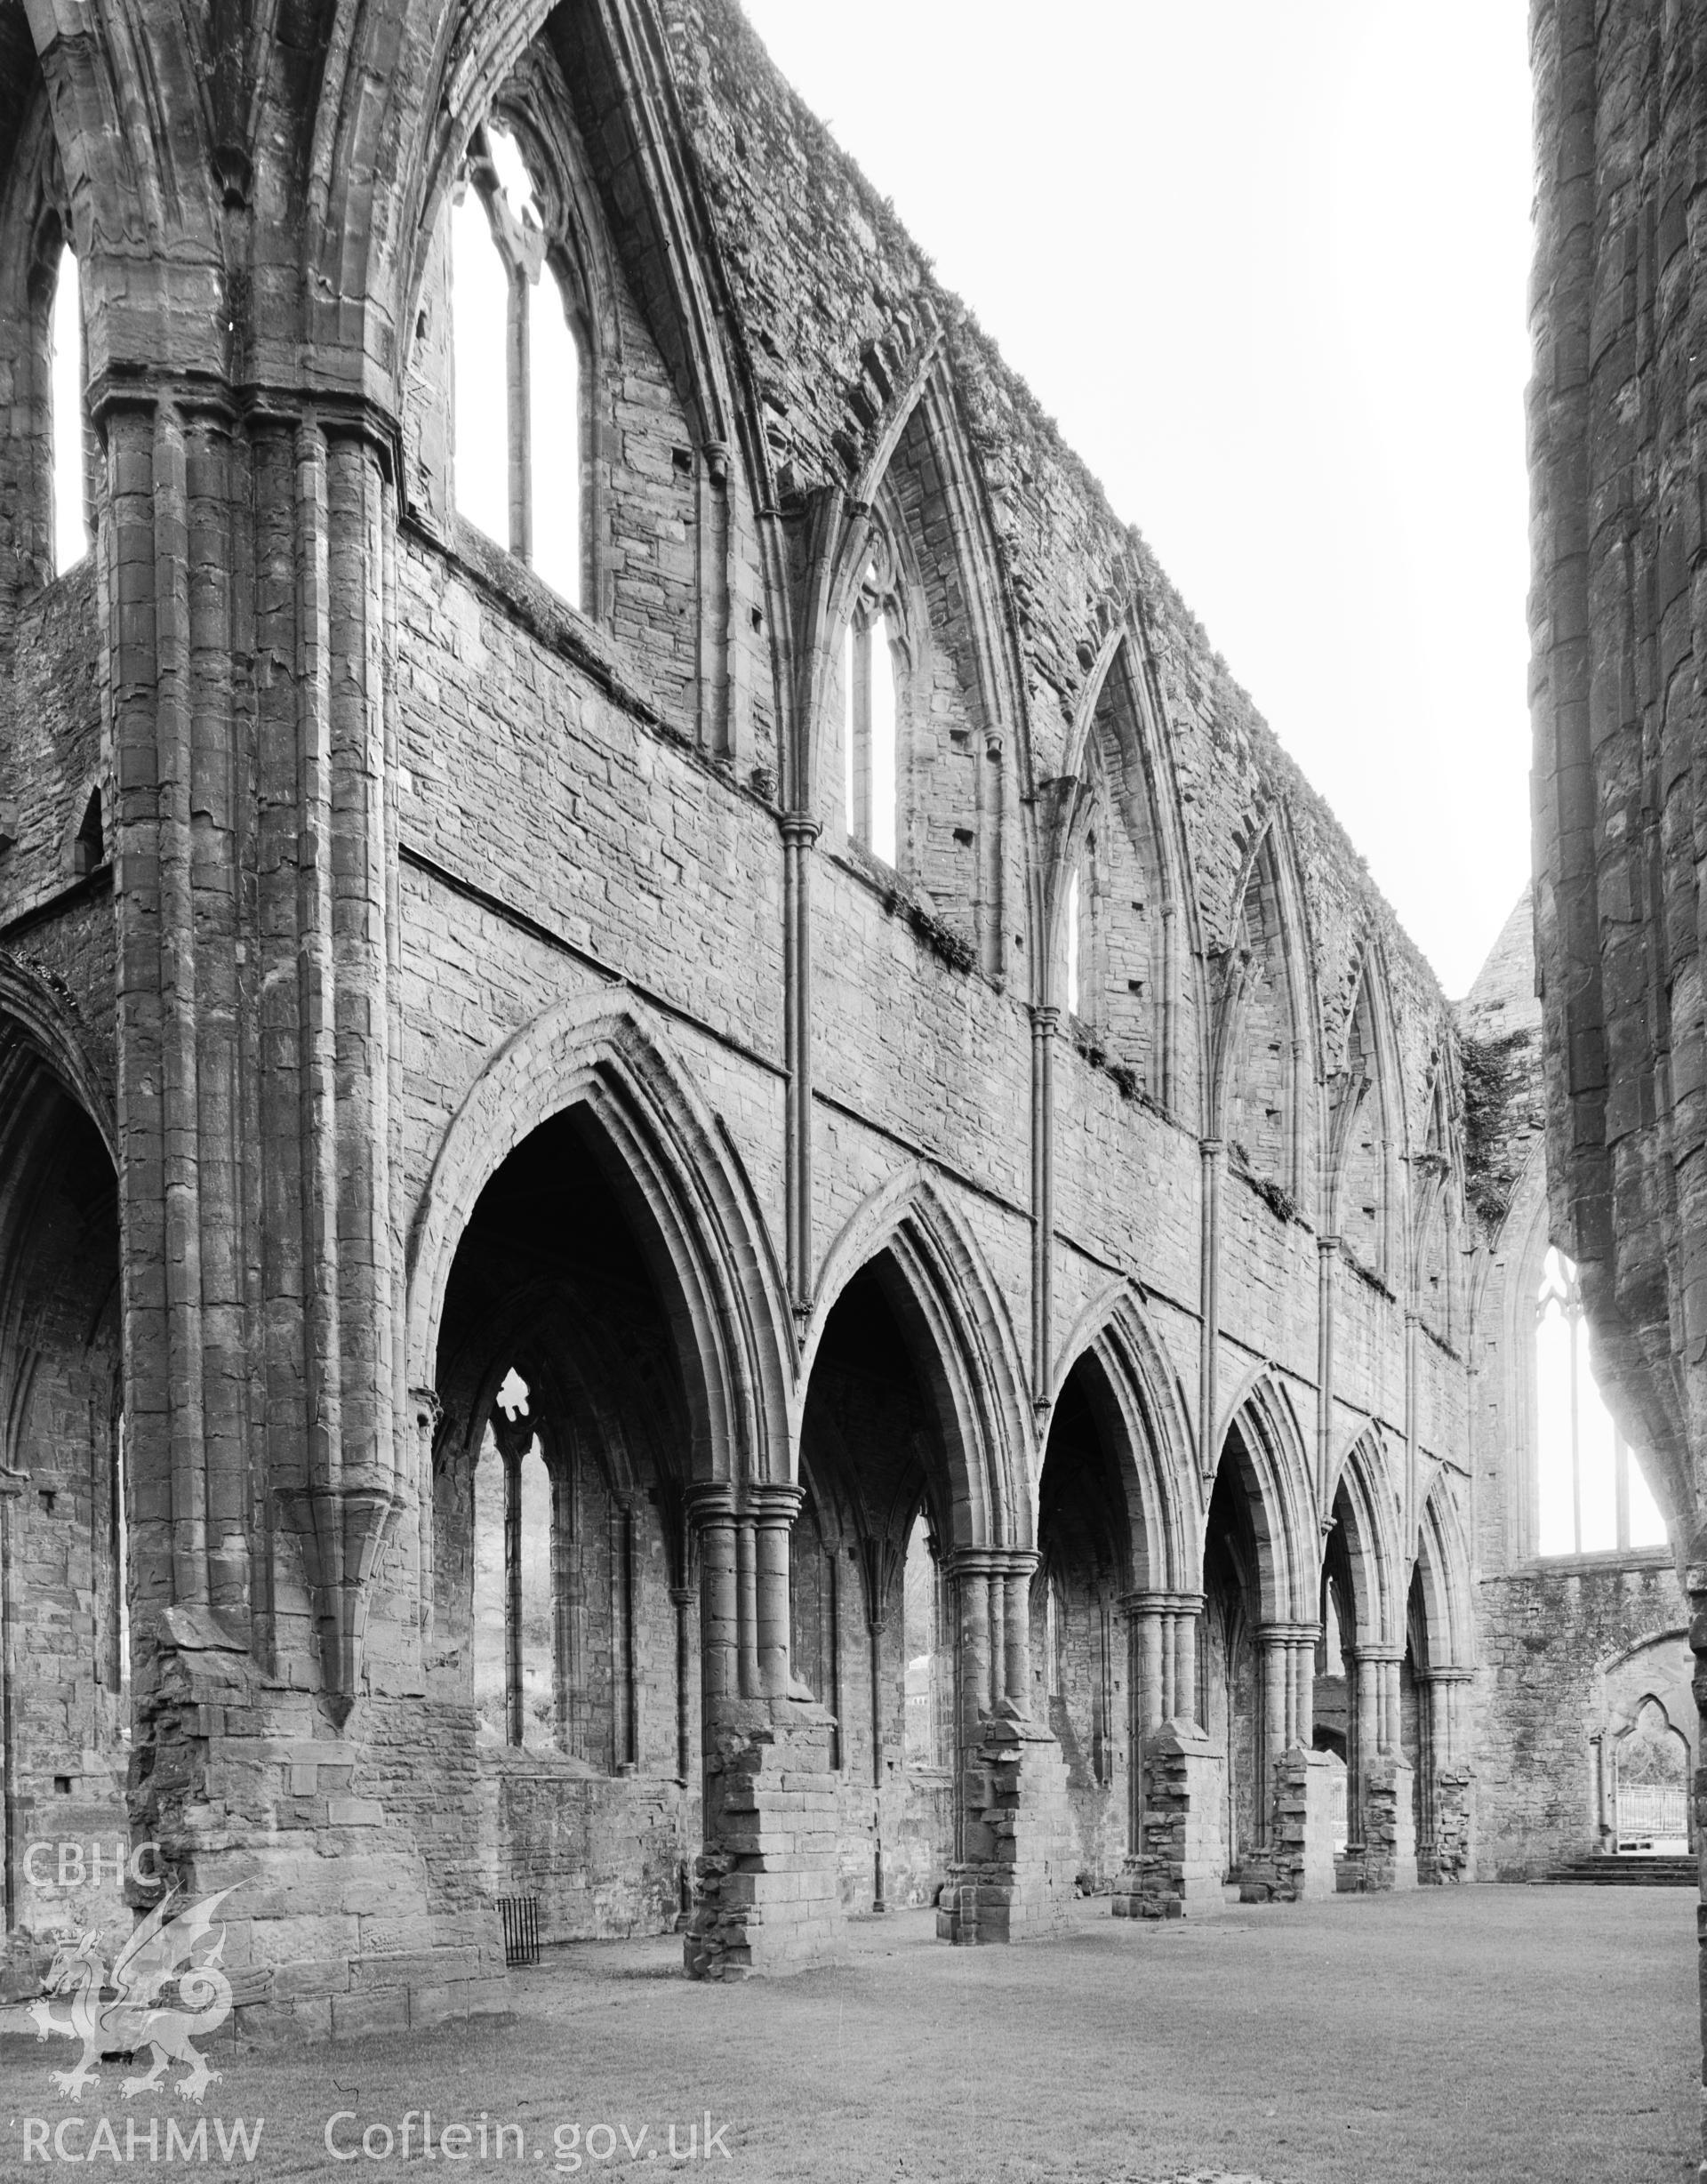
{"x":1263,"y":1080}
{"x":716,"y":1272}
{"x":1364,"y":1197}
{"x":1123,"y":943}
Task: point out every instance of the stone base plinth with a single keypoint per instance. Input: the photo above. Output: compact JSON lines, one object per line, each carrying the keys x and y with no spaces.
{"x":1388,"y":1827}
{"x":765,"y":1898}
{"x":1447,"y":1859}
{"x":1015,"y":1880}
{"x":1298,"y":1863}
{"x":1180,"y":1868}
{"x":328,"y":1924}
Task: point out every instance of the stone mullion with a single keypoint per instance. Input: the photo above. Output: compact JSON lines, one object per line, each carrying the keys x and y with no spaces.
{"x":515,"y":1716}
{"x":520,"y":397}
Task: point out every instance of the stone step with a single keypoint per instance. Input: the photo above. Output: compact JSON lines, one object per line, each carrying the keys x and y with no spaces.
{"x":1634,"y":1872}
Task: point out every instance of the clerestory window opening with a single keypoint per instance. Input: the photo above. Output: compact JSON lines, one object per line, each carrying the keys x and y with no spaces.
{"x":69,"y":446}
{"x":520,"y":413}
{"x":1593,"y":1498}
{"x":871,"y":711}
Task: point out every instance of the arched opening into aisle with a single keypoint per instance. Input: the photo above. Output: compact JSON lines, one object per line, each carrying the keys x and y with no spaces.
{"x":67,"y":1530}
{"x":873,"y":1607}
{"x":564,"y":1624}
{"x":1078,"y":1650}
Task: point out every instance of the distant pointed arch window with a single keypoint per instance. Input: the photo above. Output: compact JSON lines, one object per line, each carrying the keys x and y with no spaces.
{"x":871,"y":707}
{"x":70,"y":439}
{"x":1267,"y":1062}
{"x":521,"y":413}
{"x":1361,"y":1122}
{"x":1592,"y":1497}
{"x":1081,"y":933}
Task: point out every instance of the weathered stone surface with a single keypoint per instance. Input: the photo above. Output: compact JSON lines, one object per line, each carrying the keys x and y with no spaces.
{"x":413,"y":977}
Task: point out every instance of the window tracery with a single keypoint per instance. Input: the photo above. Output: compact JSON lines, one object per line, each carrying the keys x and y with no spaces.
{"x":521,"y":370}
{"x":871,"y":715}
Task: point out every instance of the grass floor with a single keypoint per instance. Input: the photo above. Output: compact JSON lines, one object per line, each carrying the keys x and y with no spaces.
{"x":1452,"y":2037}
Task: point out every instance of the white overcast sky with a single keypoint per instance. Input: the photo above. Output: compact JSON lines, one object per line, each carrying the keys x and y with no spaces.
{"x":1266,"y":263}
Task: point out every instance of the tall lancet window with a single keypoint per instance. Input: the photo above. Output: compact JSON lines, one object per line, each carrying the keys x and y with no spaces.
{"x":71,"y":499}
{"x":1593,"y":1498}
{"x":871,"y":711}
{"x":521,"y":411}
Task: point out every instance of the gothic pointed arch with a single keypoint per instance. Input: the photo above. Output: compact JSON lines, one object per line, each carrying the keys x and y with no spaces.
{"x":1365,"y":1205}
{"x":1120,"y":910}
{"x":39,"y":1020}
{"x":1140,"y":1410}
{"x":955,"y":1325}
{"x":912,"y":545}
{"x":1261,"y":1456}
{"x":1365,"y":1527}
{"x":1437,"y":1197}
{"x":1443,"y":1575}
{"x":622,"y":97}
{"x":1262,"y":1102}
{"x":691,"y":1209}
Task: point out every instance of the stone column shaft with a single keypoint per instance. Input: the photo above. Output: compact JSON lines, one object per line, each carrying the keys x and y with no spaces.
{"x":778,"y":1506}
{"x":746,"y":1608}
{"x":714,"y":1520}
{"x":1017,"y":1634}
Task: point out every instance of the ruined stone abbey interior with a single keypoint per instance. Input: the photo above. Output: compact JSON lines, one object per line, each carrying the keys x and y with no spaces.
{"x":719,"y":1201}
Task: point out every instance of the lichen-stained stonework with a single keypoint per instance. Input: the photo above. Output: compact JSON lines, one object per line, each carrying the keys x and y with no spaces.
{"x":637,"y":1351}
{"x":1617,"y":705}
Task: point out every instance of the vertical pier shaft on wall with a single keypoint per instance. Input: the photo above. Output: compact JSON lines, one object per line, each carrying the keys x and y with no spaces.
{"x":1044,"y":1023}
{"x":1327,"y":1249}
{"x":1209,"y":1304}
{"x":799,"y":832}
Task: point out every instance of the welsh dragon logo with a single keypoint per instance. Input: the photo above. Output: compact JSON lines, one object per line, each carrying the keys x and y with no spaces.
{"x":157,"y":1995}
